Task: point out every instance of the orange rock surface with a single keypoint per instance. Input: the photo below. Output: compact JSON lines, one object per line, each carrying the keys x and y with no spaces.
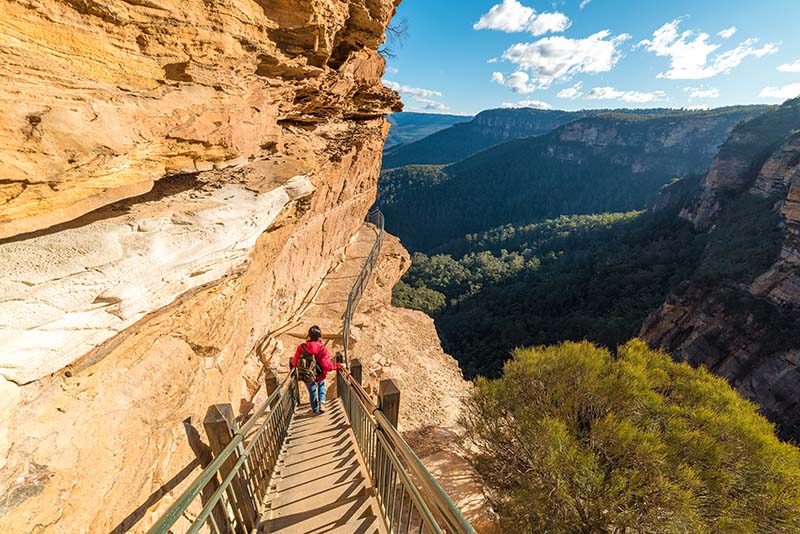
{"x":255,"y":126}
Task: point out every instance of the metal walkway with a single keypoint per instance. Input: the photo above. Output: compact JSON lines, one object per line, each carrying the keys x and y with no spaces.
{"x":292,"y":472}
{"x":321,"y":483}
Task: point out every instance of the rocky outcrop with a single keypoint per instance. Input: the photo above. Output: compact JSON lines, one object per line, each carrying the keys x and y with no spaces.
{"x":744,"y":327}
{"x":101,"y":99}
{"x":740,"y":160}
{"x":780,"y":177}
{"x":175,"y":180}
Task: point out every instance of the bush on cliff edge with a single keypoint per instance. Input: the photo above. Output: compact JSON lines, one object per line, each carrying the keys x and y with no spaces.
{"x":573,"y":440}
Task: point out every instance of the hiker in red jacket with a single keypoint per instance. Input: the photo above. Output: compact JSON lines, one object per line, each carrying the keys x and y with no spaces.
{"x":313,"y":373}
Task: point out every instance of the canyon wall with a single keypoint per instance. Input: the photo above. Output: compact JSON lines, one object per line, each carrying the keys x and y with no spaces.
{"x":739,"y":314}
{"x":176,"y":178}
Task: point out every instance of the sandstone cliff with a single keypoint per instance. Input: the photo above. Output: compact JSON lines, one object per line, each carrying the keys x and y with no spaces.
{"x":175,"y":180}
{"x":739,"y":315}
{"x":672,"y":143}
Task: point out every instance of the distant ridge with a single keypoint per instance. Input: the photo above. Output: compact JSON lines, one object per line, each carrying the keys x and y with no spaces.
{"x":408,"y":127}
{"x":606,"y":161}
{"x":487,"y":129}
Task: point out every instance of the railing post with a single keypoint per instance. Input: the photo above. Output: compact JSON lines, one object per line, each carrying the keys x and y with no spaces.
{"x":271,"y":383}
{"x":356,"y":371}
{"x":389,"y":400}
{"x":333,"y":391}
{"x":219,"y":424}
{"x":295,"y":383}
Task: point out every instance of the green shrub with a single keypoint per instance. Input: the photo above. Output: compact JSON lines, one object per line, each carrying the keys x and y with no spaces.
{"x":571,"y":440}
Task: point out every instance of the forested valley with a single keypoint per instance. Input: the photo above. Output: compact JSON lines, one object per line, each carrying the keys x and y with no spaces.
{"x":555,"y":237}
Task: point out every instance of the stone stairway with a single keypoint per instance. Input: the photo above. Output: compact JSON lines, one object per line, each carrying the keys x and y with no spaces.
{"x":321,"y":485}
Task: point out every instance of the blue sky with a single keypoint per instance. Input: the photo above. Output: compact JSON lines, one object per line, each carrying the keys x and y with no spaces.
{"x":463,"y":56}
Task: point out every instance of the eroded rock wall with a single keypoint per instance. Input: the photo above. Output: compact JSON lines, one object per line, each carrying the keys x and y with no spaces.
{"x":745,"y":329}
{"x":175,"y":180}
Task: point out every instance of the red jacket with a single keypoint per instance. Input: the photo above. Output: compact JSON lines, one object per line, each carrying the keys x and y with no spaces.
{"x":321,"y":354}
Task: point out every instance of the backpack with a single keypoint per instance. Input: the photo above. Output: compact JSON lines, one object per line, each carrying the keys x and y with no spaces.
{"x":307,"y":367}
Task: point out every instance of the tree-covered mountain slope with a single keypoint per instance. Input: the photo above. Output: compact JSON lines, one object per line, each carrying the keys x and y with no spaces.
{"x":594,"y":277}
{"x":487,"y":129}
{"x":611,"y":162}
{"x":408,"y":127}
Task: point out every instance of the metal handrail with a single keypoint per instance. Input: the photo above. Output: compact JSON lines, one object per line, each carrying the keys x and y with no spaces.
{"x":281,"y":404}
{"x":435,"y":510}
{"x":374,"y":217}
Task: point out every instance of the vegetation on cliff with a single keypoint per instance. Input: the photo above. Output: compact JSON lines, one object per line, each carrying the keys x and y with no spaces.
{"x":753,"y":140}
{"x":572,"y":439}
{"x":744,"y":243}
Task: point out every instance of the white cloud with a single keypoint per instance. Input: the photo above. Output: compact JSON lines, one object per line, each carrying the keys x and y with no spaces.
{"x":727,"y":33}
{"x":511,"y":16}
{"x":571,"y":92}
{"x":637,"y":97}
{"x":585,"y":3}
{"x":418,"y":94}
{"x":790,"y":67}
{"x":535,"y":104}
{"x":411,"y":91}
{"x":391,"y":70}
{"x":554,"y":58}
{"x":430,"y":105}
{"x":702,"y":92}
{"x":690,"y":53}
{"x":519,"y":82}
{"x":783,"y":93}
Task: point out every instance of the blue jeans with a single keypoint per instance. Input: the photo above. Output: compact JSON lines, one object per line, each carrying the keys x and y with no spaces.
{"x":312,"y":392}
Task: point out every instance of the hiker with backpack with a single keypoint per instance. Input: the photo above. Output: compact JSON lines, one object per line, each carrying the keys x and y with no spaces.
{"x":313,"y":363}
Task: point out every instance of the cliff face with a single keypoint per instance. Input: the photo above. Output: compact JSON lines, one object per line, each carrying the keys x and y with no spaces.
{"x":175,"y":180}
{"x":677,"y":145}
{"x":740,"y":160}
{"x":739,"y":315}
{"x":505,"y":124}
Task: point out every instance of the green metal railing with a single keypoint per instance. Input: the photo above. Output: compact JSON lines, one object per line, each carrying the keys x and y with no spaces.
{"x":240,"y":472}
{"x":410,"y":498}
{"x":375,"y":217}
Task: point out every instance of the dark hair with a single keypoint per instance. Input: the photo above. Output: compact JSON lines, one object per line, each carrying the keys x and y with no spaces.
{"x":314,"y":333}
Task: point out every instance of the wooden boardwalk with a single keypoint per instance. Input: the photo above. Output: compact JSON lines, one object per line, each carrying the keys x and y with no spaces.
{"x":320,"y":484}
